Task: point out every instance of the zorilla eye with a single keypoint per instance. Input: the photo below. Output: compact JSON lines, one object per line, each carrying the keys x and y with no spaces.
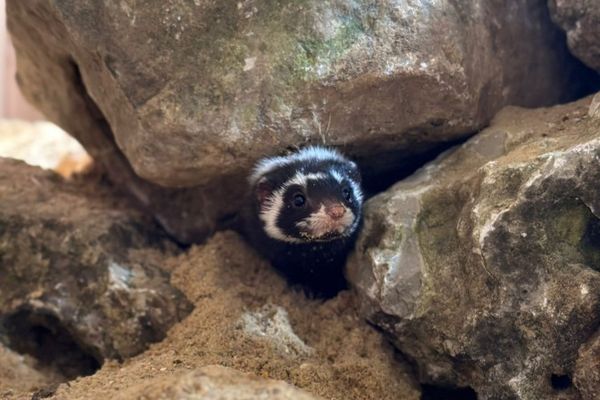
{"x":347,"y":193}
{"x":299,"y":200}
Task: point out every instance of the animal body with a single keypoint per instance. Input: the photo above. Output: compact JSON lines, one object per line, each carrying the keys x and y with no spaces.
{"x":305,"y":213}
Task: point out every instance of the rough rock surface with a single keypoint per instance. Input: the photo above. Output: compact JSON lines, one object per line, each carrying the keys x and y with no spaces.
{"x":580,"y":19}
{"x":333,"y":353}
{"x":484,"y":266}
{"x":215,"y":383}
{"x":190,"y":94}
{"x":594,"y":110}
{"x":82,"y":276}
{"x":587,"y":371}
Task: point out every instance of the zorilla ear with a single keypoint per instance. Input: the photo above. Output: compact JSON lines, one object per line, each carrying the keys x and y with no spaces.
{"x":263,"y":191}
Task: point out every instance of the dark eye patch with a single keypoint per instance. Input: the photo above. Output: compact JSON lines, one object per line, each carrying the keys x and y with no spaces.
{"x":291,"y":212}
{"x":299,"y":200}
{"x":296,"y":196}
{"x":347,"y":193}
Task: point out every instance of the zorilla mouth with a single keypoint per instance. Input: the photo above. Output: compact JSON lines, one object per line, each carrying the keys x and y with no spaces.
{"x":331,"y":221}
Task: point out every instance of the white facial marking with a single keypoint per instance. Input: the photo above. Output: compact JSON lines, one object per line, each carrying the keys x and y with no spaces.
{"x":336,"y":175}
{"x":339,"y":177}
{"x":274,"y":204}
{"x":301,"y":179}
{"x":319,"y":223}
{"x":356,"y":190}
{"x":269,"y":214}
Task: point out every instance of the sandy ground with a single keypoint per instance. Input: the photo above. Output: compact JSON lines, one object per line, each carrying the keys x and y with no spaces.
{"x":247,"y":318}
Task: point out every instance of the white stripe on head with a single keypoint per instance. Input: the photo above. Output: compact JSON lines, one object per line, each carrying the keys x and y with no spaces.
{"x":358,"y":194}
{"x":339,"y":177}
{"x":312,"y":153}
{"x":302,"y":179}
{"x":336,"y":175}
{"x":269,"y":214}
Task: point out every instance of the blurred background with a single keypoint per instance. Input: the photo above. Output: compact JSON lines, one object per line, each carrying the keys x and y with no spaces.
{"x":24,"y":132}
{"x":12,"y":103}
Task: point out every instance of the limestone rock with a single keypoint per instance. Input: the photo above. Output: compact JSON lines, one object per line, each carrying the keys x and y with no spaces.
{"x":594,"y":110}
{"x":78,"y":266}
{"x":271,"y":323}
{"x":216,"y":383}
{"x":580,"y":19}
{"x":484,"y":266}
{"x":188,"y":95}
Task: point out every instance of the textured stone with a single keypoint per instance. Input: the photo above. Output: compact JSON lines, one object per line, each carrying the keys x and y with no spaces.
{"x":594,"y":110}
{"x":587,"y":371}
{"x":271,"y":323}
{"x":484,"y":266}
{"x":216,"y":383}
{"x":580,"y":19}
{"x":82,"y":267}
{"x":190,"y":94}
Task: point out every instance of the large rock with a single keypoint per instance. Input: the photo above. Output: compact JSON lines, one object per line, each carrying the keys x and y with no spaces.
{"x":82,"y":274}
{"x":215,"y":383}
{"x":484,"y":266}
{"x":191,"y":94}
{"x":580,"y":19}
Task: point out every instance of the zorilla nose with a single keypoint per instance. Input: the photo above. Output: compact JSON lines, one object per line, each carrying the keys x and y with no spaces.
{"x":336,"y":211}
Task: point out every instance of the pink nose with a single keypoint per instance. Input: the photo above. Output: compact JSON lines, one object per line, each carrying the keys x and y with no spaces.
{"x":336,"y":211}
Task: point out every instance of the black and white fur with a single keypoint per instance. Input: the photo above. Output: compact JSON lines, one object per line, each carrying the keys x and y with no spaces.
{"x":305,"y":214}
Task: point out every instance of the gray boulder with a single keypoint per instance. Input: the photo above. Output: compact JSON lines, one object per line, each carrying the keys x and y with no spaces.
{"x":177,"y":99}
{"x":82,"y":274}
{"x":484,"y":266}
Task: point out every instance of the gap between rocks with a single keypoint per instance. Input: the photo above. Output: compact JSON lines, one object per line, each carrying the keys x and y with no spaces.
{"x":56,"y":350}
{"x":560,"y":382}
{"x":433,"y":392}
{"x":407,"y":165}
